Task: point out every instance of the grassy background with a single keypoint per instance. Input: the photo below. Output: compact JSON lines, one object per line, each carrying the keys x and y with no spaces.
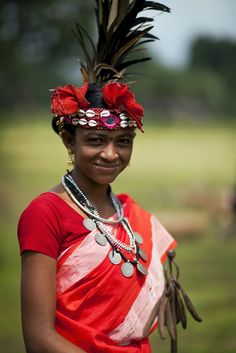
{"x":183,"y":174}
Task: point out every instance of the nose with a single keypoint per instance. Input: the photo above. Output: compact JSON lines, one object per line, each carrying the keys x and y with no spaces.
{"x":109,"y":153}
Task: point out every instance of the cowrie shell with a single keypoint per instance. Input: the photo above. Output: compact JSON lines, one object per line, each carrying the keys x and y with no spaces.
{"x":123,"y":123}
{"x":75,"y":121}
{"x":92,"y":123}
{"x":105,"y":113}
{"x":90,"y":113}
{"x":81,"y":112}
{"x":82,"y":121}
{"x":130,"y":123}
{"x":123,"y":115}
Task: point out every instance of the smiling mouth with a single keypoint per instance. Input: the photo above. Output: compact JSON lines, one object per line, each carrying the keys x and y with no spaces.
{"x":107,"y":166}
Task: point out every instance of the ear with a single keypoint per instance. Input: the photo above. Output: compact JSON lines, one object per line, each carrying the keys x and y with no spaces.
{"x":68,"y":140}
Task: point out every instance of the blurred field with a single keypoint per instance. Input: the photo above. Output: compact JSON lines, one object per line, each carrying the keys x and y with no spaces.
{"x":183,"y":174}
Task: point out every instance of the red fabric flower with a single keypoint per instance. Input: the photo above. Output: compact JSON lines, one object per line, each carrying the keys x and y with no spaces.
{"x":118,"y":96}
{"x":69,"y":99}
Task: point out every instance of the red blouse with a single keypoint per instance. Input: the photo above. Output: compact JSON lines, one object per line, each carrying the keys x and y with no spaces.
{"x":49,"y":226}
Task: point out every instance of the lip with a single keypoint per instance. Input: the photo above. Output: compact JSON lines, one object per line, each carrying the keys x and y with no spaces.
{"x":107,"y":166}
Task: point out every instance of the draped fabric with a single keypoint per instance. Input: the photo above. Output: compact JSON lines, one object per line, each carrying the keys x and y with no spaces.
{"x":98,"y":308}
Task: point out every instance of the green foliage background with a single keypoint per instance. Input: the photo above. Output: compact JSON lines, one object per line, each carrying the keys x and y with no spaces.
{"x":183,"y":167}
{"x":182,"y":173}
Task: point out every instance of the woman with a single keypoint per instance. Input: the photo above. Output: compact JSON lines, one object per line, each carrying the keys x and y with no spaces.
{"x":100,"y":281}
{"x":91,"y":261}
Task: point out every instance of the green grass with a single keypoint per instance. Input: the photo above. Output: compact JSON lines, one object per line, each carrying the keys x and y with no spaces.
{"x":173,"y":169}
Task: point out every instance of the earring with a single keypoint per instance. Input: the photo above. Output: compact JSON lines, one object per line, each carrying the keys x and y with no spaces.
{"x":70,"y":162}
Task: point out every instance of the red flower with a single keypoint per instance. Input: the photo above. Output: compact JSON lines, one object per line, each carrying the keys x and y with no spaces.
{"x":118,"y":96}
{"x":69,"y":99}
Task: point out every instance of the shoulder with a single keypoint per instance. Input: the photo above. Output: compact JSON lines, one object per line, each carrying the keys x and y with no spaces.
{"x":45,"y":199}
{"x":39,"y":227}
{"x":43,"y":203}
{"x":42,"y":211}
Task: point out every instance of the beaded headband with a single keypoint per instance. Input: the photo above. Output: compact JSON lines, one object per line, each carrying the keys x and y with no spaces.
{"x":97,"y":118}
{"x":70,"y":106}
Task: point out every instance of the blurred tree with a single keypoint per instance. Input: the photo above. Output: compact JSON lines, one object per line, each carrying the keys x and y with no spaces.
{"x":181,"y":94}
{"x":219,"y":56}
{"x":36,"y":42}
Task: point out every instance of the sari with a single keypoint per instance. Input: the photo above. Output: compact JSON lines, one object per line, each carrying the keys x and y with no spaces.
{"x":97,"y":308}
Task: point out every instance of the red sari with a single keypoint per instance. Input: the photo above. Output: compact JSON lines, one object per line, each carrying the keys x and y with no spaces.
{"x":98,"y":308}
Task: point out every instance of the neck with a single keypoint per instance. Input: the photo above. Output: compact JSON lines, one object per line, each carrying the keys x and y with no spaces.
{"x":96,"y":193}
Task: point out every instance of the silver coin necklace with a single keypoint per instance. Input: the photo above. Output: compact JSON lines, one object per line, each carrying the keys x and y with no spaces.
{"x":104,"y":236}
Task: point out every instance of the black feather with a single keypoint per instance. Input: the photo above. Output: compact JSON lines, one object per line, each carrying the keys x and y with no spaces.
{"x":121,"y":30}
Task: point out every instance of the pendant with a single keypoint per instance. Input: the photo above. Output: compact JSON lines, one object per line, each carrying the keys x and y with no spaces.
{"x":100,"y":239}
{"x":114,"y":257}
{"x":138,"y":238}
{"x":142,"y":254}
{"x":141,"y":269}
{"x":89,"y":224}
{"x":127,"y":269}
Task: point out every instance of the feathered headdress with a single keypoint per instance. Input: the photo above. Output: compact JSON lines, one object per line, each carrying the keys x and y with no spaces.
{"x":121,"y":32}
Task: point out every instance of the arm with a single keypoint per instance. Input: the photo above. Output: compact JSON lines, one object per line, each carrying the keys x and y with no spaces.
{"x":38,"y":303}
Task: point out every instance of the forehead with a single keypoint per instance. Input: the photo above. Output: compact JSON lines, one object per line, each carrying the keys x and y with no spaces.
{"x":109,"y":134}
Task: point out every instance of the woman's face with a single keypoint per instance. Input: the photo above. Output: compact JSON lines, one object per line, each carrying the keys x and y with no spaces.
{"x":101,"y":155}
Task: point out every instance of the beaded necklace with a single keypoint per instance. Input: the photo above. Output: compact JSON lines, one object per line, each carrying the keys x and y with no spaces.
{"x":104,"y":234}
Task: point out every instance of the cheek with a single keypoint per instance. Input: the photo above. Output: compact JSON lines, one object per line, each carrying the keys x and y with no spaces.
{"x":126,"y":155}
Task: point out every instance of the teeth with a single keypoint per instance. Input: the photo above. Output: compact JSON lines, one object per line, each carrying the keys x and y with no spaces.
{"x":81,"y":112}
{"x":105,"y":113}
{"x":75,"y":121}
{"x":82,"y":121}
{"x":123,"y":124}
{"x":90,"y":113}
{"x":92,"y":123}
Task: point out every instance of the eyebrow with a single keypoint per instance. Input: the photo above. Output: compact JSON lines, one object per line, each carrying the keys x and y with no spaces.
{"x":126,"y":134}
{"x":94,"y":133}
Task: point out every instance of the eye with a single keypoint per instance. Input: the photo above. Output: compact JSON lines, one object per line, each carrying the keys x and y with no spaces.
{"x":95,"y":141}
{"x":125,"y":141}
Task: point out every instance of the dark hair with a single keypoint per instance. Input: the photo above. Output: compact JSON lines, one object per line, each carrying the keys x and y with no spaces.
{"x":94,"y":96}
{"x":67,"y":127}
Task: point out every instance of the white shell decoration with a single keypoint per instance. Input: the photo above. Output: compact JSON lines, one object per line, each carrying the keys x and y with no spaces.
{"x":81,"y":112}
{"x":131,"y":123}
{"x":92,"y":123}
{"x":82,"y":121}
{"x":90,"y":113}
{"x":75,"y":121}
{"x":123,"y":116}
{"x":123,"y":123}
{"x":105,"y":113}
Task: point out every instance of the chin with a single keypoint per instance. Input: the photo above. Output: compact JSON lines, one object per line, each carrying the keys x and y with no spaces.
{"x":105,"y":180}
